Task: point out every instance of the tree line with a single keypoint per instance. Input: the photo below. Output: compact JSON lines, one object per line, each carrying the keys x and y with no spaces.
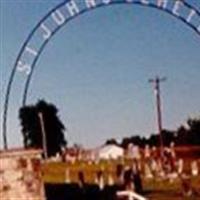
{"x":43,"y":118}
{"x":185,"y":135}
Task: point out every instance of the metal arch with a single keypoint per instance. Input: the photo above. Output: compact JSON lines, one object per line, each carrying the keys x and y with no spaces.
{"x":30,"y":36}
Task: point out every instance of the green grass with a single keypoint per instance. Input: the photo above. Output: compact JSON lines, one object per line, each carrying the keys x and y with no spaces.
{"x":154,"y":189}
{"x":164,"y":190}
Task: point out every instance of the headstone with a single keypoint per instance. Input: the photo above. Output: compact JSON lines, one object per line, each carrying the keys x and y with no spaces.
{"x":67,"y":176}
{"x":194,"y":168}
{"x":180,"y":166}
{"x":110,"y":179}
{"x":99,"y":180}
{"x":147,"y":171}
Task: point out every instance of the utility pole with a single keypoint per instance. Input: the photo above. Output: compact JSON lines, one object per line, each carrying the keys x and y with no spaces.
{"x":5,"y":144}
{"x":156,"y":83}
{"x":44,"y":139}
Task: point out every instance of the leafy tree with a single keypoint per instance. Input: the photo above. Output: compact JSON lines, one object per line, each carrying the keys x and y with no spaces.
{"x":125,"y":142}
{"x":182,"y":136}
{"x":136,"y":140}
{"x":189,"y":135}
{"x":32,"y":130}
{"x":168,"y":137}
{"x":111,"y":141}
{"x":194,"y":131}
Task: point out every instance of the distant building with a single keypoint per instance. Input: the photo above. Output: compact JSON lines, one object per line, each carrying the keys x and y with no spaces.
{"x":110,"y":152}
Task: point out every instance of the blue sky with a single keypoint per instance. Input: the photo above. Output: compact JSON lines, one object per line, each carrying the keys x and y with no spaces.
{"x":96,"y":70}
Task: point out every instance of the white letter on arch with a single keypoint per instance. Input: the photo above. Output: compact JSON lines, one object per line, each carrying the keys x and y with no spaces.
{"x":106,"y":1}
{"x":31,"y":51}
{"x":162,"y":3}
{"x":21,"y":66}
{"x":190,"y":16}
{"x":90,"y":3}
{"x":176,"y":7}
{"x":198,"y":28}
{"x":58,"y":17}
{"x":47,"y":31}
{"x":72,"y":8}
{"x":145,"y":2}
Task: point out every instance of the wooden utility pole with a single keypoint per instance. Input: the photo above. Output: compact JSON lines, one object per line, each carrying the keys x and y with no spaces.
{"x":44,"y":139}
{"x":156,"y":83}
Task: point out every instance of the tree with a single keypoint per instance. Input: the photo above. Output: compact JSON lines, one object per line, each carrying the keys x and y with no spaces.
{"x":136,"y":140}
{"x":111,"y":141}
{"x":182,"y":136}
{"x":168,"y":137}
{"x":194,"y":131}
{"x":153,"y":140}
{"x":31,"y":127}
{"x":189,"y":135}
